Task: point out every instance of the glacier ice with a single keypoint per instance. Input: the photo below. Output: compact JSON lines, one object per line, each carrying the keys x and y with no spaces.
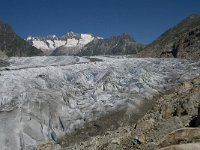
{"x":42,"y":98}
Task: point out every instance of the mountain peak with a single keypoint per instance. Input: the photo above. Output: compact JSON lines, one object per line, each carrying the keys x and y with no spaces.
{"x":191,"y":20}
{"x":12,"y":45}
{"x":125,"y":35}
{"x":122,"y":44}
{"x":70,"y":40}
{"x":194,"y":16}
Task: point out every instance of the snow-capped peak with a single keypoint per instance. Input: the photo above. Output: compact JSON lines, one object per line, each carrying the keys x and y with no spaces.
{"x":29,"y":38}
{"x":69,"y":39}
{"x":53,"y":36}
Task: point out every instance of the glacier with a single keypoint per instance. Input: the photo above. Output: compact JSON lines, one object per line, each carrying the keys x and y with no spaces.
{"x":42,"y":98}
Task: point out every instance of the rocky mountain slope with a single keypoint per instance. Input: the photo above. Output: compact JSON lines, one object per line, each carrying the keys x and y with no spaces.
{"x":42,"y":98}
{"x":12,"y":45}
{"x":86,"y":45}
{"x":171,"y":124}
{"x":181,"y":41}
{"x":116,"y":45}
{"x":68,"y":44}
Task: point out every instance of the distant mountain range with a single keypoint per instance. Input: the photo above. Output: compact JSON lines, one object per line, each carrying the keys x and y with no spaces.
{"x":181,"y":41}
{"x":117,"y":45}
{"x":85,"y":44}
{"x":12,"y":45}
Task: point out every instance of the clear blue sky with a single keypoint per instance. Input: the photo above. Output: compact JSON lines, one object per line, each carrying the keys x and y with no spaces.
{"x":145,"y":20}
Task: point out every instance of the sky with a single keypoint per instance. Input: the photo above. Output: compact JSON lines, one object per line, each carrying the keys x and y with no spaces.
{"x":144,"y":20}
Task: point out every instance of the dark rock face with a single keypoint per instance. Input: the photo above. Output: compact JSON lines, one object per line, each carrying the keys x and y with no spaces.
{"x":68,"y":51}
{"x":187,"y":46}
{"x":12,"y":45}
{"x":195,"y":122}
{"x":181,"y":41}
{"x":117,"y":45}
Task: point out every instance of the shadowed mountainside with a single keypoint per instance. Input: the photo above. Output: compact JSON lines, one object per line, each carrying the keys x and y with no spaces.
{"x":116,"y":45}
{"x":12,"y":45}
{"x":181,"y":41}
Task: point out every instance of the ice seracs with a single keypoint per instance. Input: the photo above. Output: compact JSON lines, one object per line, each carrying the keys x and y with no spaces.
{"x":42,"y":98}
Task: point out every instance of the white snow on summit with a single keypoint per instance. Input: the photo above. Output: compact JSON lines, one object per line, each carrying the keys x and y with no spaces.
{"x":50,"y":43}
{"x":85,"y":39}
{"x":40,"y":45}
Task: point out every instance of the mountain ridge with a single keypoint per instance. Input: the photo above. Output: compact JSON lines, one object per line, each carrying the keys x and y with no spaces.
{"x":13,"y":45}
{"x":180,"y":41}
{"x":70,"y":40}
{"x":122,"y":44}
{"x":79,"y":44}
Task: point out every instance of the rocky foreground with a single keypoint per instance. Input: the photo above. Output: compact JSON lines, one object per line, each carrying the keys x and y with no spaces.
{"x":43,"y":98}
{"x":171,"y":124}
